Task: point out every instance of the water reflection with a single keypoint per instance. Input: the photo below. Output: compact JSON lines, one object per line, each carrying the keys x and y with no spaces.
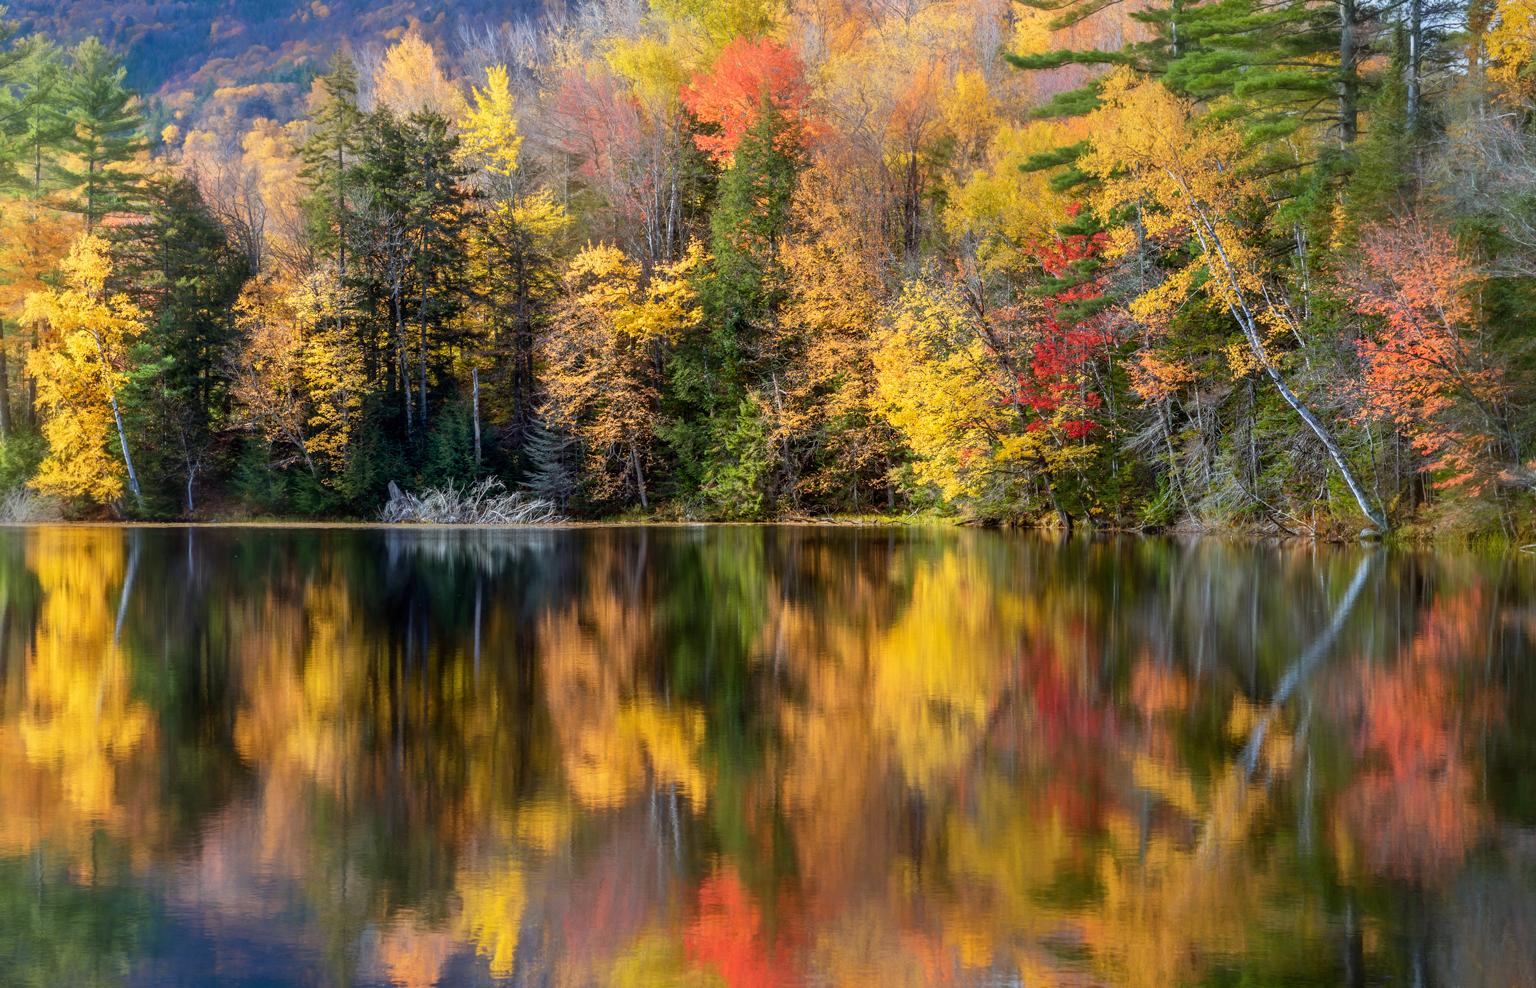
{"x":747,"y":756}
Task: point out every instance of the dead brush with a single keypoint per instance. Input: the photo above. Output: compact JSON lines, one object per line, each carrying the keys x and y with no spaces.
{"x":484,"y":502}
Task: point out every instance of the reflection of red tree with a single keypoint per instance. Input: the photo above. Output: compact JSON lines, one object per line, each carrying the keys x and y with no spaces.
{"x":1416,"y":805}
{"x":1069,"y":730}
{"x":727,"y":936}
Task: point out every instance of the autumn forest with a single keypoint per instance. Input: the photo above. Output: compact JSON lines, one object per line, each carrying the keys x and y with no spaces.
{"x":1161,"y":264}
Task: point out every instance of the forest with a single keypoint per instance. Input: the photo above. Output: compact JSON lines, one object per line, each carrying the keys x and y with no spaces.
{"x":1251,"y":265}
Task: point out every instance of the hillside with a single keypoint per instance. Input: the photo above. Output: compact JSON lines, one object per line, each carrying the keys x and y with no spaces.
{"x":259,"y":50}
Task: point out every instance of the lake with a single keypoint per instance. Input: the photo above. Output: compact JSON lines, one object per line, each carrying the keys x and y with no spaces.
{"x":760,"y":756}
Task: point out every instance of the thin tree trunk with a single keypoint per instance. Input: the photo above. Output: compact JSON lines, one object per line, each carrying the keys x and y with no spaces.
{"x":634,"y":463}
{"x":5,"y":388}
{"x":421,"y":322}
{"x":122,"y":434}
{"x":29,"y":395}
{"x":474,"y":388}
{"x":1349,"y":73}
{"x":191,"y":480}
{"x":402,"y":360}
{"x":122,"y":439}
{"x":1415,"y":56}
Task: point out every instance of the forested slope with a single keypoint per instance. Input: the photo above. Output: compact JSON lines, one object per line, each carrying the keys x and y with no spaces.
{"x":186,"y":51}
{"x":1222,"y":264}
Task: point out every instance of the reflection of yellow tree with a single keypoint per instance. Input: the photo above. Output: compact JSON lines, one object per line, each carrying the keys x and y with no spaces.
{"x":307,"y":689}
{"x":1173,"y":884}
{"x":493,"y":901}
{"x":80,"y":724}
{"x":940,"y":668}
{"x":611,"y":729}
{"x":835,"y":768}
{"x":322,"y":692}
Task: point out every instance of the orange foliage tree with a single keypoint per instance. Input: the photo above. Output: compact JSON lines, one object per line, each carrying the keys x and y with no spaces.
{"x":1424,"y":368}
{"x":731,"y":95}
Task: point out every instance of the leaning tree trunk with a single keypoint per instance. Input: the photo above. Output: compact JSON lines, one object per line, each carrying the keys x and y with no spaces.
{"x":1237,"y":304}
{"x":122,"y":439}
{"x":122,"y":434}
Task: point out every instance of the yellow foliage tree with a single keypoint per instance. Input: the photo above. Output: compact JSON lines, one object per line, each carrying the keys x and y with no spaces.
{"x":298,"y":378}
{"x":602,"y":384}
{"x":935,"y":390}
{"x":488,"y":129}
{"x":333,"y":368}
{"x":826,"y":398}
{"x":944,"y":388}
{"x":1512,"y":46}
{"x":1003,"y":208}
{"x":410,"y":80}
{"x":268,"y":374}
{"x":81,"y":734}
{"x":80,"y":367}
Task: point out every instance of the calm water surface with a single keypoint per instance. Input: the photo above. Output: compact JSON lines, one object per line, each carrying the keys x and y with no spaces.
{"x":742,"y":756}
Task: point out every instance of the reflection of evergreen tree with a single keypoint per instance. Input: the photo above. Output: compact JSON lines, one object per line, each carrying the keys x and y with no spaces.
{"x":57,"y":931}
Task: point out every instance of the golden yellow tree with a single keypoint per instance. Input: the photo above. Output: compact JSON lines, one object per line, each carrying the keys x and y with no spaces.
{"x":602,"y":384}
{"x":826,"y":402}
{"x":80,"y":368}
{"x":81,"y":730}
{"x":333,"y":368}
{"x":268,"y":370}
{"x":1511,"y":46}
{"x":410,"y":80}
{"x":1189,"y":179}
{"x":947,"y":388}
{"x":297,"y":378}
{"x":32,"y":242}
{"x":488,"y":130}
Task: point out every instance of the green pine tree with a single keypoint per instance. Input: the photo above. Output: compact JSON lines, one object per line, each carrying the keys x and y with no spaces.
{"x":180,"y":266}
{"x":103,"y":136}
{"x":330,"y":160}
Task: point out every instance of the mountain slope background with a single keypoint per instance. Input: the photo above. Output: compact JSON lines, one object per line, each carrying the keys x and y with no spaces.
{"x":195,"y":59}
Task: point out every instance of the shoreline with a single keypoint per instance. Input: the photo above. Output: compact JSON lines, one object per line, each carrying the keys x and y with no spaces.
{"x":1397,"y":539}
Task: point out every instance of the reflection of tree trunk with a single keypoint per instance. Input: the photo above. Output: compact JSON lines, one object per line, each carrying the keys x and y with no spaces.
{"x":127,"y":592}
{"x":1231,"y":791}
{"x":1354,"y":948}
{"x":1304,"y":666}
